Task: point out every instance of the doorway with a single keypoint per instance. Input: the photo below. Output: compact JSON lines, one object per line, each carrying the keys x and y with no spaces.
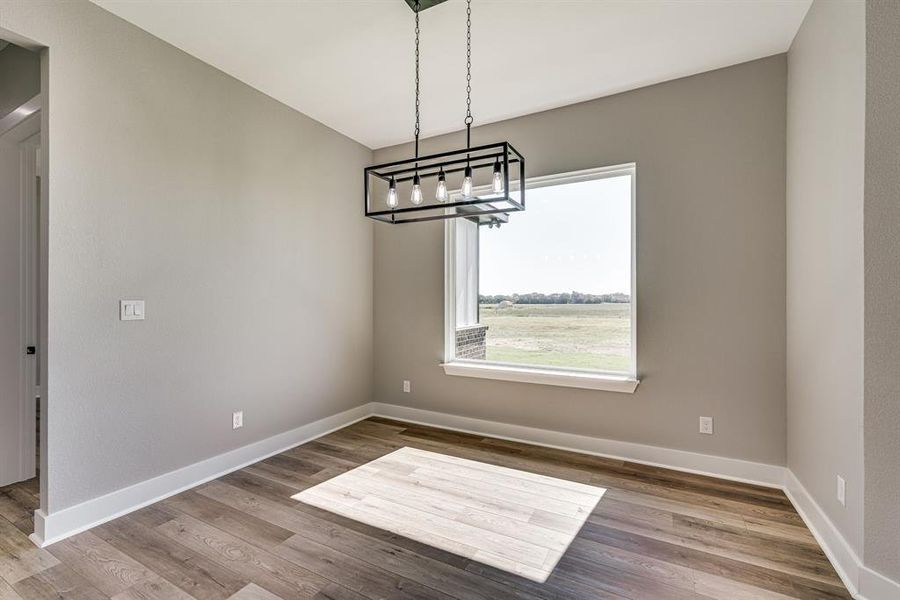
{"x":20,"y":281}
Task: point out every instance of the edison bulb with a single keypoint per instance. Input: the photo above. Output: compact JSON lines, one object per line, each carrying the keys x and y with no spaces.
{"x":416,"y":196}
{"x":497,"y":183}
{"x":441,"y":193}
{"x":497,"y":180}
{"x":392,"y":200}
{"x":467,"y":183}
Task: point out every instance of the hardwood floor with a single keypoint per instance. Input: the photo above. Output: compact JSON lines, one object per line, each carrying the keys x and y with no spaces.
{"x":656,"y":534}
{"x":514,"y":520}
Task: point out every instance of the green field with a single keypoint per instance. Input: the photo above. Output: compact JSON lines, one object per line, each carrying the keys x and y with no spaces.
{"x":583,"y":336}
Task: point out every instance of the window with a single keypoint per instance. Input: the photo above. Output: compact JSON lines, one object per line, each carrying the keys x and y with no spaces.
{"x":549,"y":296}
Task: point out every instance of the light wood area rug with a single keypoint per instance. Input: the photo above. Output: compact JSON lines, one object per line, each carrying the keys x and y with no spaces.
{"x":513,"y":520}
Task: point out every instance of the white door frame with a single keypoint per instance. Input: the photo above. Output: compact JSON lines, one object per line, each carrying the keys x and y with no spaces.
{"x":29,"y":204}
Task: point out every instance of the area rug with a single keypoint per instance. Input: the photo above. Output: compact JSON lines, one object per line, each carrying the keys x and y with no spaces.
{"x":513,"y":520}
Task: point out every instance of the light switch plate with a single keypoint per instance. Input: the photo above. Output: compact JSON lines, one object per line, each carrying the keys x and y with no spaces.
{"x":131,"y":310}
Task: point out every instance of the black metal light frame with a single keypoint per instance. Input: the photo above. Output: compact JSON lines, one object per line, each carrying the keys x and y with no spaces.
{"x":483,"y":208}
{"x":490,"y":208}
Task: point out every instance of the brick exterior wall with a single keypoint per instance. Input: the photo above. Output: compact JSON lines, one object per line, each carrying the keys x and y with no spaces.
{"x":471,"y":342}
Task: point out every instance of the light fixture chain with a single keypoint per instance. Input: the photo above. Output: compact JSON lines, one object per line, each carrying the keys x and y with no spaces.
{"x":417,"y":79}
{"x":469,"y":118}
{"x":466,"y":203}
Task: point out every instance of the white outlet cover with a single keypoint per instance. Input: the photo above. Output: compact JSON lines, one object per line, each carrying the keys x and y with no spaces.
{"x":237,"y":419}
{"x":706,"y":425}
{"x":406,"y":386}
{"x":841,"y":491}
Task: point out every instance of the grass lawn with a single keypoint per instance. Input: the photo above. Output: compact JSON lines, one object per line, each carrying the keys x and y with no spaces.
{"x":583,"y":336}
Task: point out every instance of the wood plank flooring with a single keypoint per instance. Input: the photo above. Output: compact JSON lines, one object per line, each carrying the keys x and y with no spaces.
{"x":656,"y":534}
{"x":514,"y":520}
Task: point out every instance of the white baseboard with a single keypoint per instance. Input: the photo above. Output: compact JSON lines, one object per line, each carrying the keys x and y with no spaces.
{"x":875,"y":586}
{"x":57,"y":526}
{"x":862,"y":582}
{"x":680,"y":460}
{"x":842,"y":556}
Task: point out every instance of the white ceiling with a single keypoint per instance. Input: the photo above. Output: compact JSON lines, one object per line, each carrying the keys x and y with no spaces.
{"x":349,"y":63}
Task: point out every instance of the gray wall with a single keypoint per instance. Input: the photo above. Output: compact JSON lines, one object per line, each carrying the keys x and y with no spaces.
{"x":882,"y":348}
{"x":235,"y":217}
{"x":20,"y":76}
{"x":825,"y":141}
{"x":710,"y":153}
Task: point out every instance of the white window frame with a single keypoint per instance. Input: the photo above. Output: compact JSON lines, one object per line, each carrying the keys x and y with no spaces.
{"x":557,"y":376}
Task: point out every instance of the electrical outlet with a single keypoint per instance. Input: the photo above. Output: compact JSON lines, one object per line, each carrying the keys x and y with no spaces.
{"x":706,"y":425}
{"x":841,"y":491}
{"x":237,"y":419}
{"x":406,"y":386}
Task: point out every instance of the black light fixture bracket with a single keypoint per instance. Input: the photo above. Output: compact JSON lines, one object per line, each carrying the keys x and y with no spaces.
{"x":424,"y":4}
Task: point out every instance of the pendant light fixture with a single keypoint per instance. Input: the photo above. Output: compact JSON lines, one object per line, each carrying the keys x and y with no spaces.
{"x":471,"y":182}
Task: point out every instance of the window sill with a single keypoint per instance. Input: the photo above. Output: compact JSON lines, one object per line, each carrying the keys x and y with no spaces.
{"x":574,"y":379}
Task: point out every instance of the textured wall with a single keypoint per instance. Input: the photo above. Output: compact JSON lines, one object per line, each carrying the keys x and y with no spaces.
{"x":825,"y":141}
{"x":882,"y":228}
{"x":710,"y":269}
{"x":235,"y":217}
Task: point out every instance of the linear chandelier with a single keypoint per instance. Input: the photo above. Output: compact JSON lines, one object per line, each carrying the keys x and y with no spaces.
{"x":472,"y":182}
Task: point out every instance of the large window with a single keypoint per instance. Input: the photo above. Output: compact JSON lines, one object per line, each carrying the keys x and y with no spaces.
{"x":551,"y":291}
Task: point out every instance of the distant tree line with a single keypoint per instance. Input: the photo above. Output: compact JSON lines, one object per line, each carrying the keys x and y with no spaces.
{"x":559,"y":298}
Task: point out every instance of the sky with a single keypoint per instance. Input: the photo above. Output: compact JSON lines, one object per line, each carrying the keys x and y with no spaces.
{"x":572,"y":237}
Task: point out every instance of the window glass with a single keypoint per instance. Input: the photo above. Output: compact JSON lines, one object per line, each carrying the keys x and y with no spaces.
{"x":554,"y":284}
